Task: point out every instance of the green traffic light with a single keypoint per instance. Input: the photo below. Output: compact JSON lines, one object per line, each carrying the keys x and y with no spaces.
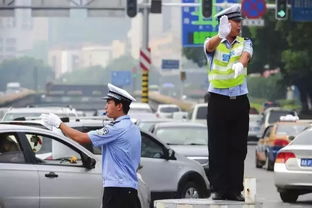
{"x":281,"y":13}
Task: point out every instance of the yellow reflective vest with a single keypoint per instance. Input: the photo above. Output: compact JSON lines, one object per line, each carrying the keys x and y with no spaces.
{"x":220,"y":72}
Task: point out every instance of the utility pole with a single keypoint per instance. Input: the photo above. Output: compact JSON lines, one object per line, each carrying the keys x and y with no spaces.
{"x":145,"y":57}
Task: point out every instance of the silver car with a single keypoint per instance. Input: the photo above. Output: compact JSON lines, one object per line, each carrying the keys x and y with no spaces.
{"x":187,"y":138}
{"x":293,"y":168}
{"x":39,"y":168}
{"x":167,"y":173}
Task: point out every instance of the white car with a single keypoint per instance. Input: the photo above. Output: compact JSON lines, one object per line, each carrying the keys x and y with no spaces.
{"x":272,"y":115}
{"x":167,"y":110}
{"x":254,"y":127}
{"x":293,"y":168}
{"x":199,"y":113}
{"x":137,"y":107}
{"x":39,"y":168}
{"x":35,"y":112}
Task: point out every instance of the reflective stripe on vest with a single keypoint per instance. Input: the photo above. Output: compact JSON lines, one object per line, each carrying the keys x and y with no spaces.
{"x":221,"y":74}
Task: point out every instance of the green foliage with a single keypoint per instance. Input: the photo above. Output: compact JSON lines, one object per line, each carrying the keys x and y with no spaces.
{"x":91,"y":75}
{"x":29,"y":72}
{"x":100,"y":75}
{"x":268,"y":44}
{"x":195,"y":54}
{"x":270,"y":88}
{"x":289,"y":104}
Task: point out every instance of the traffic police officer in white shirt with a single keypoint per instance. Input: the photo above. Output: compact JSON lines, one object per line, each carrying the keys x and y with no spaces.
{"x":120,"y":142}
{"x":228,"y":106}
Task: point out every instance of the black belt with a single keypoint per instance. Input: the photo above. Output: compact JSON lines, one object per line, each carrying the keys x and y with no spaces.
{"x":227,"y":97}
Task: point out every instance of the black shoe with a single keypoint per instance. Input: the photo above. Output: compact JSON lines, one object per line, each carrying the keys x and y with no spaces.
{"x":218,"y":196}
{"x":235,"y":197}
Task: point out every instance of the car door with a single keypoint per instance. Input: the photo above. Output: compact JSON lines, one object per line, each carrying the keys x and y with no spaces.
{"x":159,"y":173}
{"x":64,"y":181}
{"x":19,"y":184}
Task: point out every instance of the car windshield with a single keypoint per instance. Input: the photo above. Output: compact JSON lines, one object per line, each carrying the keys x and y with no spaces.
{"x":304,"y":138}
{"x":169,"y":109}
{"x":183,"y":135}
{"x":275,"y":115}
{"x":202,"y":112}
{"x":290,"y":130}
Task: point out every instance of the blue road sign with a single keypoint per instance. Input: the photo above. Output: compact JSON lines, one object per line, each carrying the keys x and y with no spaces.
{"x":301,"y":10}
{"x":253,"y":8}
{"x":121,"y":78}
{"x":195,"y":27}
{"x":170,"y":64}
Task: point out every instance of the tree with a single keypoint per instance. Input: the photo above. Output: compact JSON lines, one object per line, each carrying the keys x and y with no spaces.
{"x":195,"y":54}
{"x":29,"y":72}
{"x":268,"y":44}
{"x":297,"y":60}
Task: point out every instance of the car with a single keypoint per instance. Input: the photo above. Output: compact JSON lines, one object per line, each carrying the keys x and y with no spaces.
{"x":137,"y":107}
{"x":147,"y":124}
{"x":41,"y":168}
{"x":293,"y":168}
{"x":199,"y":113}
{"x":274,"y":138}
{"x":187,"y":138}
{"x":272,"y":115}
{"x":35,"y":112}
{"x":167,"y":173}
{"x":167,"y":110}
{"x":254,"y":127}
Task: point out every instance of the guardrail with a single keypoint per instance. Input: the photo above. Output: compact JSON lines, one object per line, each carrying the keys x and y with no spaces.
{"x":8,"y":99}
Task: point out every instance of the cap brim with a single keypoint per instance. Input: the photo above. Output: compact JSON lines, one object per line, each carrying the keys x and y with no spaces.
{"x":237,"y":18}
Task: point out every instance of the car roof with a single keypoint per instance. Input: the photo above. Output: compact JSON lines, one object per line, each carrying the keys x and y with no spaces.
{"x":180,"y":124}
{"x":139,"y":105}
{"x":31,"y":129}
{"x":200,"y":104}
{"x":293,"y":123}
{"x":167,"y":105}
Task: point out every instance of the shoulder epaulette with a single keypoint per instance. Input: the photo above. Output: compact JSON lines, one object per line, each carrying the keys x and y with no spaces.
{"x":113,"y":122}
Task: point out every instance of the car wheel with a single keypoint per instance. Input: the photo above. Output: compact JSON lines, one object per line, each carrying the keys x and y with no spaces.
{"x":190,"y":190}
{"x":258,"y":163}
{"x":289,"y":196}
{"x":269,"y":164}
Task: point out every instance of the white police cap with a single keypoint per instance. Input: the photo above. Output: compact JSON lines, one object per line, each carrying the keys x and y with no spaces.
{"x":118,"y":94}
{"x":233,"y":13}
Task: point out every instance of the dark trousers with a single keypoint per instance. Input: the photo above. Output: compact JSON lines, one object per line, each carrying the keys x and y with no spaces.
{"x":118,"y":197}
{"x":228,"y":124}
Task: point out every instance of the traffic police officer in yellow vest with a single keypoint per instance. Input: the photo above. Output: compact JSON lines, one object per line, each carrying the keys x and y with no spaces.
{"x":228,"y":106}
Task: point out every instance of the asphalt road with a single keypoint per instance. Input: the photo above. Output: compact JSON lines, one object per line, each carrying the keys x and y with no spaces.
{"x":266,"y":191}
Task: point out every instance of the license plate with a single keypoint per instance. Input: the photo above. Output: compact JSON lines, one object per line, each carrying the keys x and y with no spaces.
{"x":306,"y":162}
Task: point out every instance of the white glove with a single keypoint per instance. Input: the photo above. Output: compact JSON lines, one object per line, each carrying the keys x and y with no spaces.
{"x":51,"y":119}
{"x":238,"y":69}
{"x":224,"y":27}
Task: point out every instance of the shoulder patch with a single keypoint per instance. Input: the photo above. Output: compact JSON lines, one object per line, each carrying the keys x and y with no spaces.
{"x":102,"y":131}
{"x":112,"y":123}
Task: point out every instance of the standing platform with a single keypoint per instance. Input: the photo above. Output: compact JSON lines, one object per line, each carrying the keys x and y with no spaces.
{"x":203,"y":203}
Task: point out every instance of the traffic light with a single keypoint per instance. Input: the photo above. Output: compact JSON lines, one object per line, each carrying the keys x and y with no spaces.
{"x":131,"y":8}
{"x":156,"y":6}
{"x":206,"y":6}
{"x":281,"y":10}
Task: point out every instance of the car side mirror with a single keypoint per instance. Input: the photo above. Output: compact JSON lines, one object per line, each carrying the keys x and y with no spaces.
{"x":169,"y":154}
{"x":89,"y":163}
{"x":291,"y":138}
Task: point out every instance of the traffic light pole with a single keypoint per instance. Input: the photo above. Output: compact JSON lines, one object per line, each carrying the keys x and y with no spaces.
{"x":145,"y":51}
